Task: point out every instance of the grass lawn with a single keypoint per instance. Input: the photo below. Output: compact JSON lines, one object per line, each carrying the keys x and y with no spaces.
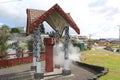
{"x":106,"y":59}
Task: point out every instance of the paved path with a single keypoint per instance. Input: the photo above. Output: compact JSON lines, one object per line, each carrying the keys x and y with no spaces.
{"x":78,"y":73}
{"x":22,"y":72}
{"x":19,"y":72}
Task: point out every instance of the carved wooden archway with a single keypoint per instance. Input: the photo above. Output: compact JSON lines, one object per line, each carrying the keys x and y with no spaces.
{"x":59,"y":21}
{"x":55,"y":17}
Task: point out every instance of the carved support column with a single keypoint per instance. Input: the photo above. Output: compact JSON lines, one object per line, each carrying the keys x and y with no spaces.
{"x":39,"y":74}
{"x":33,"y":67}
{"x":66,"y":70}
{"x":57,"y":65}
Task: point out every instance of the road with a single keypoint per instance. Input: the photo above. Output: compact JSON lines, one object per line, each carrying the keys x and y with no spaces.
{"x":101,"y":48}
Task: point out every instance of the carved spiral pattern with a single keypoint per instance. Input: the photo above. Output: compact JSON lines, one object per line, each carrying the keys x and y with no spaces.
{"x":37,"y":43}
{"x":66,"y":42}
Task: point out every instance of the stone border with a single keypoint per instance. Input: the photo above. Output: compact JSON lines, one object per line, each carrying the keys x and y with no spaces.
{"x":97,"y":70}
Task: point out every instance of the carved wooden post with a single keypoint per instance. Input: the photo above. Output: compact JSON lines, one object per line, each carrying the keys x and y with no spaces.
{"x":66,"y":70}
{"x":39,"y":74}
{"x":57,"y":65}
{"x":33,"y":67}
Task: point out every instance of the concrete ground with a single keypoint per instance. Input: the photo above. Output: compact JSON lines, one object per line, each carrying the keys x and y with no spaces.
{"x":23,"y":72}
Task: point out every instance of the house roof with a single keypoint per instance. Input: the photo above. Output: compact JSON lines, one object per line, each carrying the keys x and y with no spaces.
{"x":55,"y":17}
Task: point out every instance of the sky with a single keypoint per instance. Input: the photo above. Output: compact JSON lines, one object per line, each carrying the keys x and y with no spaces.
{"x":95,"y":18}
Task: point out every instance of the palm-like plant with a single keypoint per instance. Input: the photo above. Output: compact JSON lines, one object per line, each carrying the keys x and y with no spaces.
{"x":4,"y":37}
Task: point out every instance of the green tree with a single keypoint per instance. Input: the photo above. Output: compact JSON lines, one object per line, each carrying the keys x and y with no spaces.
{"x":4,"y":37}
{"x":15,"y":30}
{"x":18,"y":49}
{"x":42,"y":29}
{"x":30,"y":45}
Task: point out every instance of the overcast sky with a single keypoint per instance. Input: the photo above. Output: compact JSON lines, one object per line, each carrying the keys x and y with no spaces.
{"x":100,"y":18}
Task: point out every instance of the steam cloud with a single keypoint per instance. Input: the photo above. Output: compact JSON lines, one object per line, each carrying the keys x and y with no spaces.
{"x":74,"y":54}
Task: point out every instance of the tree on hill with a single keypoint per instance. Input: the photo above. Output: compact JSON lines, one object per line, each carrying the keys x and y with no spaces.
{"x":15,"y":30}
{"x":5,"y":28}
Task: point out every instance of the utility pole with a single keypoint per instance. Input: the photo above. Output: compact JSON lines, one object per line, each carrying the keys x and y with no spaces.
{"x":90,"y":36}
{"x":119,"y":38}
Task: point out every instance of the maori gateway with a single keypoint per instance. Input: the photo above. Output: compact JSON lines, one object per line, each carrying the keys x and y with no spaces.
{"x":59,"y":21}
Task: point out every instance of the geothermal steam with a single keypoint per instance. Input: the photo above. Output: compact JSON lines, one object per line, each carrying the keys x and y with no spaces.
{"x":74,"y":53}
